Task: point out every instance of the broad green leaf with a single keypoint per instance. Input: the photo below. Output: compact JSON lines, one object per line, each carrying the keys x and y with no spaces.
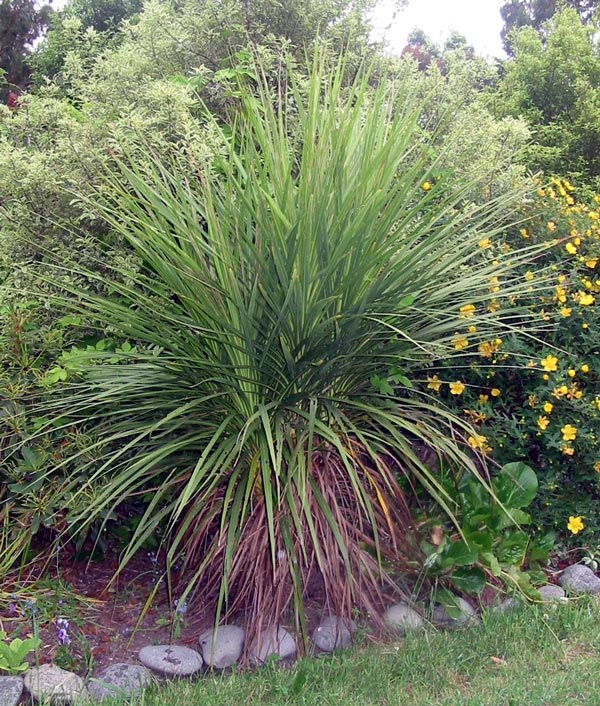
{"x":470,"y":580}
{"x":515,"y":485}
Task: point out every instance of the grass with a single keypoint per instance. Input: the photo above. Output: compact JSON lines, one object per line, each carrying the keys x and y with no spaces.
{"x":535,"y":656}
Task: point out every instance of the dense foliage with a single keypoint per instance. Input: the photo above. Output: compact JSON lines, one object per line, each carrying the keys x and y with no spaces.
{"x":534,"y":13}
{"x":554,"y":82}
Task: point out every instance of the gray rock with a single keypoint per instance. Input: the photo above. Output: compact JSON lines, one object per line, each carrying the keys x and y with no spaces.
{"x":333,"y":633}
{"x":50,"y":683}
{"x":467,"y":616}
{"x":273,"y":641}
{"x":508,"y":604}
{"x":402,"y":618}
{"x":11,"y":689}
{"x":579,"y":579}
{"x":171,"y":660}
{"x":121,"y":680}
{"x":223,"y":647}
{"x":551,"y":592}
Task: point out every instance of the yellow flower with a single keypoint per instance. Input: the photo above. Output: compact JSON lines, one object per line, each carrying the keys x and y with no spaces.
{"x":488,"y":348}
{"x":467,"y":310}
{"x":495,"y":392}
{"x":560,"y":391}
{"x":472,"y":329}
{"x":529,"y":275}
{"x":570,"y":248}
{"x":543,"y":422}
{"x":485,"y":243}
{"x":548,"y":407}
{"x":479,"y":442}
{"x":569,"y":432}
{"x":433,"y":383}
{"x":560,"y":294}
{"x":493,"y":306}
{"x":567,"y":450}
{"x":597,"y":466}
{"x":457,"y":388}
{"x":575,"y":524}
{"x":551,"y":226}
{"x":585,"y":368}
{"x":591,"y":263}
{"x":571,"y":373}
{"x":484,"y":398}
{"x":549,"y":363}
{"x":475,"y":416}
{"x":524,"y":233}
{"x":597,"y":403}
{"x":585,"y":299}
{"x":426,"y":186}
{"x":565,"y":311}
{"x":460,"y":343}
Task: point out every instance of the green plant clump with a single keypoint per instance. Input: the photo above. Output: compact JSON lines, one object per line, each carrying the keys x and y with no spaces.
{"x":286,"y":301}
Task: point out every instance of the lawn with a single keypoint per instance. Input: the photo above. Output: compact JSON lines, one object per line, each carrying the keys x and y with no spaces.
{"x":539,"y":655}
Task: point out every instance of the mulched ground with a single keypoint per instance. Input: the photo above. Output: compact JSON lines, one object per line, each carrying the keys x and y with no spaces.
{"x":105,"y":622}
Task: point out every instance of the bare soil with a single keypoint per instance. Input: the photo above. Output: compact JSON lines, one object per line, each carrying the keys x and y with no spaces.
{"x":107,"y":622}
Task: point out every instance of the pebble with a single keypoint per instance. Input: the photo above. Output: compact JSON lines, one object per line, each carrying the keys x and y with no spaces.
{"x":11,"y":689}
{"x":171,"y":660}
{"x":222,"y":648}
{"x":508,"y":604}
{"x":333,"y":633}
{"x":551,"y":592}
{"x":50,"y":683}
{"x":579,"y":579}
{"x":467,"y":616}
{"x":402,"y":618}
{"x":273,"y":641}
{"x":119,"y":680}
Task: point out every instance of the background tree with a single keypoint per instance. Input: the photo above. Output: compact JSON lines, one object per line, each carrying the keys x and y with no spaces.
{"x":554,"y":82}
{"x":103,"y":17}
{"x":21,"y":21}
{"x":533,"y":13}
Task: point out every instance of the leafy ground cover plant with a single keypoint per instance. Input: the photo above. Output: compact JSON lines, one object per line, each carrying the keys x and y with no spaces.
{"x":14,"y":652}
{"x":538,"y":401}
{"x":493,"y":544}
{"x":285,"y":302}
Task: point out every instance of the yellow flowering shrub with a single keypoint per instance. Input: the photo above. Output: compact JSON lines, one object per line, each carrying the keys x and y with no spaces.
{"x":537,"y":399}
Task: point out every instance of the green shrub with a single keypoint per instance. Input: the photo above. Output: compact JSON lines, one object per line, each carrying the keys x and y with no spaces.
{"x":285,"y":301}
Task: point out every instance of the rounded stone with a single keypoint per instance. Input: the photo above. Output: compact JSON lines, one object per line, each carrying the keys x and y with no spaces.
{"x":273,"y":642}
{"x":171,"y":660}
{"x":579,"y":579}
{"x":466,"y":617}
{"x":333,"y":633}
{"x":402,"y":618}
{"x":222,"y":647}
{"x":551,"y":592}
{"x":119,"y":680}
{"x":49,"y":683}
{"x":11,"y":689}
{"x":507,"y":605}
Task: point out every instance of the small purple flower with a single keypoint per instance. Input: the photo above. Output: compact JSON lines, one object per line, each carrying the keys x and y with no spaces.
{"x":180,"y":609}
{"x":63,"y":632}
{"x":12,"y":608}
